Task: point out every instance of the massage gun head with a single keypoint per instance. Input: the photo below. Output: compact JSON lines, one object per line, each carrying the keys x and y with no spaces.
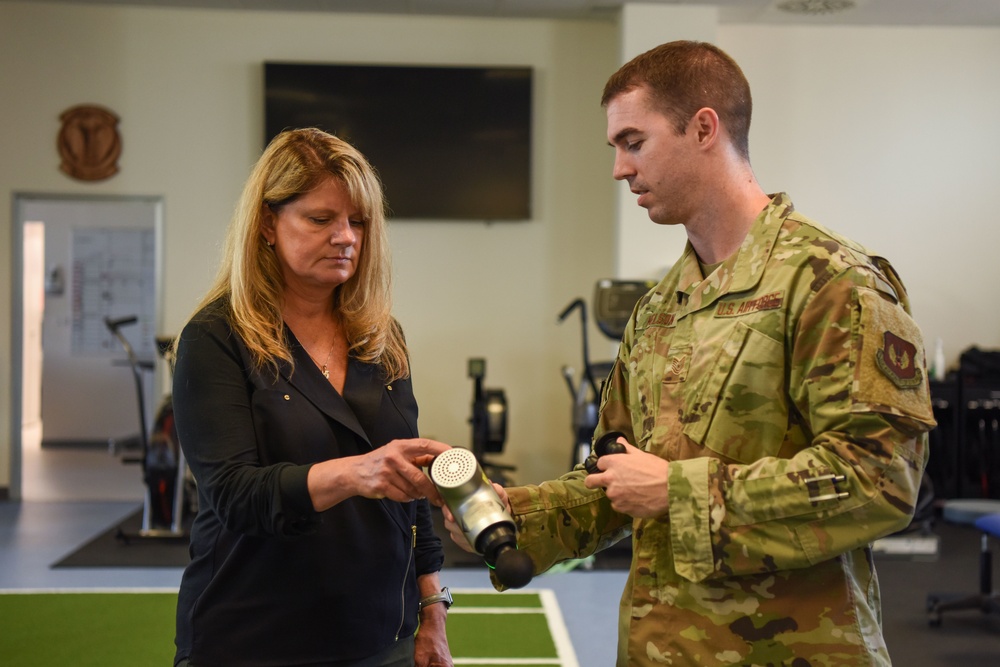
{"x":481,"y":515}
{"x":514,"y":568}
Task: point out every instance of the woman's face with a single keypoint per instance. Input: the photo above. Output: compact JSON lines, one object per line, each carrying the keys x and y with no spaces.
{"x":317,"y":237}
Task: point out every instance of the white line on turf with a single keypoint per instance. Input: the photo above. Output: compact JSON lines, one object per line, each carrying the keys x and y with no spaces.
{"x":560,"y":635}
{"x":553,"y":616}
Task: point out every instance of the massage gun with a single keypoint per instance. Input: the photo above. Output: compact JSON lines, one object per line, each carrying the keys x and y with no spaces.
{"x":481,"y":515}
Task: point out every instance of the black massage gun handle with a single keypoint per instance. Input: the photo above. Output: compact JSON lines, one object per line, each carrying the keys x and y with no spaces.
{"x":606,"y":444}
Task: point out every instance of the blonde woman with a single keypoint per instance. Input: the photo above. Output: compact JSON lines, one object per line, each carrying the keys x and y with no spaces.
{"x":313,"y":544}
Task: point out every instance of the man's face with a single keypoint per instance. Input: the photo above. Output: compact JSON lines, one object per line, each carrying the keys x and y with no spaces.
{"x":658,"y":164}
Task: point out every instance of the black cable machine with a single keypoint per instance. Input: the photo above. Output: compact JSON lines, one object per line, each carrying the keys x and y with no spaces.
{"x":489,"y":423}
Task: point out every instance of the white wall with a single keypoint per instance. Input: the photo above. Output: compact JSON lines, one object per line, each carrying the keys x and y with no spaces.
{"x":645,"y":250}
{"x":885,"y":134}
{"x":890,"y":136}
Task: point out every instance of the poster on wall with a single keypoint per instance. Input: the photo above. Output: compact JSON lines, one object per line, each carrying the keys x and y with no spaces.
{"x":113,"y":273}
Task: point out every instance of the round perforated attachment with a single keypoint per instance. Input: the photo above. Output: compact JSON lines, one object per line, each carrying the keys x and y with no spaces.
{"x":454,"y":468}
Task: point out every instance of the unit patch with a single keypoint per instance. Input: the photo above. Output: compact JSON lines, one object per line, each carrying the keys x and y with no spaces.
{"x":770,"y":301}
{"x":897,"y":359}
{"x":889,"y":359}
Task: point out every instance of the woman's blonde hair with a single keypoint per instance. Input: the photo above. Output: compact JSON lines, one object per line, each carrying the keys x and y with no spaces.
{"x":249,"y":280}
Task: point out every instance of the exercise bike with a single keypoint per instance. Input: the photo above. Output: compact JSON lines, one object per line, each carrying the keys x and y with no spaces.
{"x":614,"y":301}
{"x":170,"y":495}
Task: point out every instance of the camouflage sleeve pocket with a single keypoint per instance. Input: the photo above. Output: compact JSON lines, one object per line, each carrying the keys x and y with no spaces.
{"x":890,"y":374}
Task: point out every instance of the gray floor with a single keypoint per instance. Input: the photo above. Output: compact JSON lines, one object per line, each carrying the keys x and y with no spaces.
{"x":966,"y":638}
{"x":38,"y":532}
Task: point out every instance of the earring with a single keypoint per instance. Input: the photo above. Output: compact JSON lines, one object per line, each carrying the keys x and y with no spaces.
{"x":269,"y":244}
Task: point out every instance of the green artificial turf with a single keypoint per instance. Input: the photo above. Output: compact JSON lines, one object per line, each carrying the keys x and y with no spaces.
{"x":137,"y":629}
{"x":80,"y":629}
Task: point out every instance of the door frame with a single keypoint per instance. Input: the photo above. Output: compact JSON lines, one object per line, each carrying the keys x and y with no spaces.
{"x":20,"y":199}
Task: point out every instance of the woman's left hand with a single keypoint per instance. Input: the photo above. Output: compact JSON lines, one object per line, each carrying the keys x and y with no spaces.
{"x":431,"y":641}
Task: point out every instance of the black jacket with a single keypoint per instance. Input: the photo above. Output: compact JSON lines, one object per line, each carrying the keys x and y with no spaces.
{"x":271,"y":581}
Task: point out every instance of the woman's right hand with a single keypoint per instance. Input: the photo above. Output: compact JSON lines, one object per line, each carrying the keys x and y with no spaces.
{"x":393,"y":471}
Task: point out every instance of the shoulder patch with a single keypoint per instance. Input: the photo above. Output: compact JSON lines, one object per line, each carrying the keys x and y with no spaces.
{"x":889,"y":357}
{"x":897,"y":359}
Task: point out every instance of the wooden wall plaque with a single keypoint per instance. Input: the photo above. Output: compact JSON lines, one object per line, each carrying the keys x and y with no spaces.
{"x":89,"y":143}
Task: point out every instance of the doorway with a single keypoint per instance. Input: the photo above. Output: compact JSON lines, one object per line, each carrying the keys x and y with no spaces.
{"x":74,"y":402}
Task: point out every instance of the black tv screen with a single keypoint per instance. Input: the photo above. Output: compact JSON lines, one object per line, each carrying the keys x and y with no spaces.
{"x":448,"y":142}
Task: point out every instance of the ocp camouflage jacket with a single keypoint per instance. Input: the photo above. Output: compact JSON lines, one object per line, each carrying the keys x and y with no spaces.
{"x":788,"y":392}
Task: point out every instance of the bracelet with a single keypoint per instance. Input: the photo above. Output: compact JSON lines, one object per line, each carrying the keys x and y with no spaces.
{"x":444,"y":597}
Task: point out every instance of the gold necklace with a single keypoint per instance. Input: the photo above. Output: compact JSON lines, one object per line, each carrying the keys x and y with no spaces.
{"x":326,"y":370}
{"x":326,"y":364}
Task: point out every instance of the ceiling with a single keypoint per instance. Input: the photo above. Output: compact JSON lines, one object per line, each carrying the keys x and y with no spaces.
{"x":818,"y":12}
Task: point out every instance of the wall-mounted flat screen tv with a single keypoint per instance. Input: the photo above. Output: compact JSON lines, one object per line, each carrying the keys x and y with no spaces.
{"x":448,"y":142}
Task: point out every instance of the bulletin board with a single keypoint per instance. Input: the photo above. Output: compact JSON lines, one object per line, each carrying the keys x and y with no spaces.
{"x":112,"y":275}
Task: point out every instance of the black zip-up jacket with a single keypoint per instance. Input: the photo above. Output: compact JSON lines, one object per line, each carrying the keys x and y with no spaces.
{"x":271,"y":581}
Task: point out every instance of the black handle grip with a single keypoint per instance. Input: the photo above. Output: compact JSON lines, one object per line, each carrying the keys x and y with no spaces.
{"x":606,"y":444}
{"x":114,"y":325}
{"x":573,"y":305}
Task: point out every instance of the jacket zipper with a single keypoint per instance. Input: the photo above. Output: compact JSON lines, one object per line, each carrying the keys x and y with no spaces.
{"x":406,"y":575}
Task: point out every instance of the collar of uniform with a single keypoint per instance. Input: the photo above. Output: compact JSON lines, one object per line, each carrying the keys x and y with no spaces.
{"x":741,"y":271}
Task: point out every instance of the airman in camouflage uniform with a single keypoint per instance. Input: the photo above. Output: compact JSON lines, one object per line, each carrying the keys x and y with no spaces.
{"x":786,"y":390}
{"x":773,"y":392}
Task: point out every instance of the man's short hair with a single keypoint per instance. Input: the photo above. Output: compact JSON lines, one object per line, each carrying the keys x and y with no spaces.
{"x":683,"y":77}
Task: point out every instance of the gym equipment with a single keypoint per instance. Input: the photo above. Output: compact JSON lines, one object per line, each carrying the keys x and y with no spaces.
{"x":481,"y":514}
{"x":489,"y":422}
{"x":169,"y":494}
{"x":614,"y":301}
